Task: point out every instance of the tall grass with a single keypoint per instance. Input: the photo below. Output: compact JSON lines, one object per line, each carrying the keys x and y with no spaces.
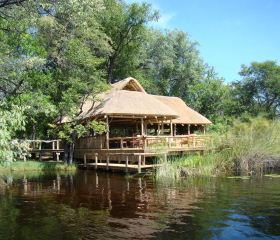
{"x":247,"y":148}
{"x":20,"y":166}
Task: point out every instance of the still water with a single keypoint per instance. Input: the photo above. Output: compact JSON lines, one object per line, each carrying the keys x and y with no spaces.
{"x":90,"y":205}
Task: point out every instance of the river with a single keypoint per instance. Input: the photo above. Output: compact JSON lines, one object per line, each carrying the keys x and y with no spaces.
{"x":90,"y":205}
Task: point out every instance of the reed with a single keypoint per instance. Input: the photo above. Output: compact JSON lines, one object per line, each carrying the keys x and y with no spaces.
{"x":250,"y":147}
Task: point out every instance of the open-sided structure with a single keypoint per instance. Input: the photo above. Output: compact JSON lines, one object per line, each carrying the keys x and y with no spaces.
{"x":138,"y":123}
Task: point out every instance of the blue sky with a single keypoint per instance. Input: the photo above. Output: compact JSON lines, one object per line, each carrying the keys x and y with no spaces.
{"x":229,"y":32}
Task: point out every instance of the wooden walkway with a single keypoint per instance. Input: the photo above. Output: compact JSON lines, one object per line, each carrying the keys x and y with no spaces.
{"x":119,"y":167}
{"x":46,"y":148}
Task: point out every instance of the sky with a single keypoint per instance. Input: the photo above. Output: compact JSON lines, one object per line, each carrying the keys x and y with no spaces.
{"x":229,"y":32}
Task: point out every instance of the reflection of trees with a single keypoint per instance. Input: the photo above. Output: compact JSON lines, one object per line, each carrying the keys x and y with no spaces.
{"x":106,"y":206}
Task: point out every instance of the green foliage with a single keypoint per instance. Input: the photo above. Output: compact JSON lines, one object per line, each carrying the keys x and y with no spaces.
{"x":71,"y":131}
{"x":56,"y":54}
{"x":11,"y":121}
{"x":247,"y":147}
{"x":30,"y":166}
{"x":259,"y":90}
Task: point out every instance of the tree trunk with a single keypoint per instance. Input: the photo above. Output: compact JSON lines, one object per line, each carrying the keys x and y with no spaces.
{"x":71,"y":153}
{"x":66,"y":152}
{"x":33,"y":132}
{"x":111,"y":67}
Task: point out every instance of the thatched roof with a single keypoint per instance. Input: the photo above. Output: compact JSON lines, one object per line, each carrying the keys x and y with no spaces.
{"x":125,"y":104}
{"x":186,"y":114}
{"x":130,"y":84}
{"x":127,"y":98}
{"x":128,"y":103}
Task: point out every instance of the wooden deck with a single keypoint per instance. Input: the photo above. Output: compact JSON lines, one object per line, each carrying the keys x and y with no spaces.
{"x":118,"y":167}
{"x":128,"y":154}
{"x":46,"y":149}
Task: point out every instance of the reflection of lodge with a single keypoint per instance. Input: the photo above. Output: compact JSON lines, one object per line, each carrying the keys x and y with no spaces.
{"x":133,"y":205}
{"x":138,"y":126}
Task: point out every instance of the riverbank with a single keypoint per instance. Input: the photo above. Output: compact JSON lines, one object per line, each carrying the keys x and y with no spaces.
{"x":246,"y":149}
{"x":36,"y":166}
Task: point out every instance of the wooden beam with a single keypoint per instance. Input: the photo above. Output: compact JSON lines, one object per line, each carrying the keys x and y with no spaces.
{"x":139,"y":164}
{"x":126,"y":164}
{"x":96,"y":161}
{"x":171,"y":127}
{"x":189,"y":129}
{"x":107,"y":133}
{"x":142,"y":126}
{"x":85,"y":160}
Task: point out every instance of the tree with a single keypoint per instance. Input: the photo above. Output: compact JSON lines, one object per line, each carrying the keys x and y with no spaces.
{"x":5,"y":3}
{"x":259,"y":89}
{"x":12,"y":120}
{"x":125,"y":25}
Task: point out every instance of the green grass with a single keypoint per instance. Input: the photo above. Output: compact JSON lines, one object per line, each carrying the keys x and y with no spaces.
{"x":248,"y":148}
{"x":20,"y":166}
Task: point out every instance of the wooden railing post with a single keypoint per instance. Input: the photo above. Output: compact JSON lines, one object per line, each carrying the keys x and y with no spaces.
{"x":139,"y":163}
{"x":194,"y":139}
{"x":96,"y":160}
{"x":107,"y":162}
{"x":126,"y":163}
{"x":85,"y":159}
{"x":57,"y":156}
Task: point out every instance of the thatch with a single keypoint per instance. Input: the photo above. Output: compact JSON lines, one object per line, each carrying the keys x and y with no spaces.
{"x":127,"y":98}
{"x":130,"y":84}
{"x":186,"y":114}
{"x":125,"y":104}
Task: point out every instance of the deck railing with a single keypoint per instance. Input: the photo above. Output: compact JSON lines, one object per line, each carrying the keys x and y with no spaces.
{"x":39,"y":145}
{"x":156,"y":142}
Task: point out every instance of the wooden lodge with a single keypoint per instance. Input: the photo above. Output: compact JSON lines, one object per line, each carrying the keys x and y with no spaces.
{"x":139,"y":127}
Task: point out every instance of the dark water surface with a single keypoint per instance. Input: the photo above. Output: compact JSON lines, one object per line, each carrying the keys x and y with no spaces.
{"x":110,"y":206}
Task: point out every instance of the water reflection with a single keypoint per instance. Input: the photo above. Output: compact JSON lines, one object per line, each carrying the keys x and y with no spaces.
{"x":92,"y":205}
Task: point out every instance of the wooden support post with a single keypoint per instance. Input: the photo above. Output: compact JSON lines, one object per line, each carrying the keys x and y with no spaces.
{"x":165,"y":157}
{"x":57,"y":144}
{"x":145,"y":143}
{"x":142,"y":126}
{"x":121,"y":143}
{"x":171,"y":128}
{"x":57,"y":156}
{"x":162,"y":128}
{"x":144,"y":160}
{"x":204,"y":129}
{"x":96,"y":161}
{"x":193,"y":138}
{"x":107,"y":162}
{"x":189,"y":129}
{"x":53,"y":146}
{"x":171,"y":134}
{"x":107,"y":133}
{"x":139,"y":163}
{"x":85,"y":160}
{"x":126,"y":163}
{"x":158,"y":131}
{"x":175,"y":129}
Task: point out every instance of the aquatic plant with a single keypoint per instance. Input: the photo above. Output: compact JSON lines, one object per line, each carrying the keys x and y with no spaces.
{"x":247,"y":148}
